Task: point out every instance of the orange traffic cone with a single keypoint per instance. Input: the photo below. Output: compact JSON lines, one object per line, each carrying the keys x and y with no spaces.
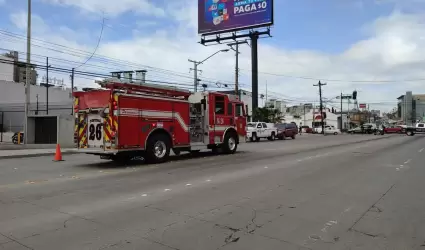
{"x":58,"y":154}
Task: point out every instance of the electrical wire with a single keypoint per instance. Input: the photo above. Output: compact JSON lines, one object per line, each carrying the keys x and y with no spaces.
{"x":97,"y":45}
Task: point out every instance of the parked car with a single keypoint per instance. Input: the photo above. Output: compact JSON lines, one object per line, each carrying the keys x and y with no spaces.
{"x":285,"y":130}
{"x":318,"y":130}
{"x":331,"y":130}
{"x":356,"y":130}
{"x":306,"y":129}
{"x":258,"y":130}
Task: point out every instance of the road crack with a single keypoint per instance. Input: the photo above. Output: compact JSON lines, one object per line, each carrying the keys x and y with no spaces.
{"x":371,"y":207}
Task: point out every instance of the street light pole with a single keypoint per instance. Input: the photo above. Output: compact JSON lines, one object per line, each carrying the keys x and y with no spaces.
{"x":28,"y":75}
{"x":195,"y":68}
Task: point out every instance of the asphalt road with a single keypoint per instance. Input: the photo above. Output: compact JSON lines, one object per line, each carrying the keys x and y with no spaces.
{"x":315,"y":192}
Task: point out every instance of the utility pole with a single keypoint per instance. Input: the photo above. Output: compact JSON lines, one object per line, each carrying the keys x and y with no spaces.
{"x":47,"y":85}
{"x":368,"y":112}
{"x":72,"y":90}
{"x":36,"y":111}
{"x":236,"y":49}
{"x":28,"y":75}
{"x":340,"y":124}
{"x":304,"y":114}
{"x":266,"y":92}
{"x":321,"y":104}
{"x":195,"y":74}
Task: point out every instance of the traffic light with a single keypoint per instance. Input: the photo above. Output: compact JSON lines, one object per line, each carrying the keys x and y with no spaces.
{"x":354,"y":95}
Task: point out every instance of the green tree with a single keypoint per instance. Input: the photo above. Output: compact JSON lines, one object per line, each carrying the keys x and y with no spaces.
{"x":267,"y":115}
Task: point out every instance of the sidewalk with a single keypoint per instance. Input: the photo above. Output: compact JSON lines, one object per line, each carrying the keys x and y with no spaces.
{"x":25,"y":152}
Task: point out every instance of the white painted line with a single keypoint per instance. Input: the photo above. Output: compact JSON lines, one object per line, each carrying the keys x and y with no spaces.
{"x":266,"y":167}
{"x":401,"y":165}
{"x":144,"y":195}
{"x":166,"y":190}
{"x":397,"y":169}
{"x":188,"y":184}
{"x":406,"y":162}
{"x":422,"y":149}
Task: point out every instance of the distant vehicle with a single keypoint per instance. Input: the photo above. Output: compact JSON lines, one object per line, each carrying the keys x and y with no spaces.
{"x":318,"y":130}
{"x":418,"y":128}
{"x":285,"y":130}
{"x":331,"y":130}
{"x":356,"y":130}
{"x":393,"y":129}
{"x":257,"y":130}
{"x":15,"y":138}
{"x":306,"y":129}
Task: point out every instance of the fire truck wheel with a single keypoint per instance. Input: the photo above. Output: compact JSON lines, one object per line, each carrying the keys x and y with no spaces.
{"x":158,"y":148}
{"x":230,"y":143}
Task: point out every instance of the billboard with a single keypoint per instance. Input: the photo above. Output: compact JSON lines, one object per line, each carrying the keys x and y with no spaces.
{"x":218,"y":16}
{"x":362,"y":105}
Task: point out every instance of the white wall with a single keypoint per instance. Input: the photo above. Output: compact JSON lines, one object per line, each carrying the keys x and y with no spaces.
{"x":6,"y":69}
{"x":66,"y":131}
{"x":14,"y":93}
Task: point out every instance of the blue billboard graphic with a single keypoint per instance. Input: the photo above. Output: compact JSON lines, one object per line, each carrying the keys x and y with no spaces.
{"x":217,"y":16}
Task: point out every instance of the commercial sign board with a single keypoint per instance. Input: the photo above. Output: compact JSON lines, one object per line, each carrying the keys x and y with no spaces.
{"x":362,"y":105}
{"x":218,"y":16}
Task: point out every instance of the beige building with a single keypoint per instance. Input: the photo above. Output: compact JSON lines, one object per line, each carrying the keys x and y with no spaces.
{"x":11,"y":69}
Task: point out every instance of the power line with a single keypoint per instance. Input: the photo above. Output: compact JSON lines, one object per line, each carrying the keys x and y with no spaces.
{"x":81,"y":53}
{"x":97,"y":45}
{"x":339,"y":80}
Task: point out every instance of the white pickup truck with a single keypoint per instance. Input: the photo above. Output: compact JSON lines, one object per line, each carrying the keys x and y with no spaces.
{"x":257,"y":130}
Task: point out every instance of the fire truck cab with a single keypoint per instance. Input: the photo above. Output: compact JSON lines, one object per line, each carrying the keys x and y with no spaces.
{"x":125,"y":120}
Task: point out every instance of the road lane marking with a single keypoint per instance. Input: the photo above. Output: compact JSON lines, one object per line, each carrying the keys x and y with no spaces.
{"x":266,"y":167}
{"x":208,"y":180}
{"x":187,"y":185}
{"x":167,"y":189}
{"x":144,"y":195}
{"x":422,"y":149}
{"x":406,"y":162}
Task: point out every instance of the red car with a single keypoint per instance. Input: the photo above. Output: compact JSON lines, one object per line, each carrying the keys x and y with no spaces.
{"x":392,"y":130}
{"x":285,"y":130}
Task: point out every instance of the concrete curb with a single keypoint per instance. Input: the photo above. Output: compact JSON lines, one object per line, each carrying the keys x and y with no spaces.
{"x":35,"y":155}
{"x":76,"y":152}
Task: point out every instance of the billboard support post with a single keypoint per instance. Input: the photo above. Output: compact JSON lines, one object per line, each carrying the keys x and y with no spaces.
{"x":254,"y":69}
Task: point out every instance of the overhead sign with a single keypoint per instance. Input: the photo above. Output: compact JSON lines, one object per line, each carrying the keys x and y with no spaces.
{"x":218,"y":16}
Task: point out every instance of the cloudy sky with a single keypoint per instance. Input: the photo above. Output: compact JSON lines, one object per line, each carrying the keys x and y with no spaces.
{"x":375,"y":47}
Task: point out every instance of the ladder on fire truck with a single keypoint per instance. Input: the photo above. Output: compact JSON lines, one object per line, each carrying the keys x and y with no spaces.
{"x":129,"y":87}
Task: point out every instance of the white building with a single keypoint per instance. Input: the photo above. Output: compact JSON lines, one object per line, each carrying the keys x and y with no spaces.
{"x":6,"y":68}
{"x":276,"y":104}
{"x":313,"y":118}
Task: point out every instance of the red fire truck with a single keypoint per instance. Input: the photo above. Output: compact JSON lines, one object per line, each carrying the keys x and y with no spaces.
{"x":123,"y":120}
